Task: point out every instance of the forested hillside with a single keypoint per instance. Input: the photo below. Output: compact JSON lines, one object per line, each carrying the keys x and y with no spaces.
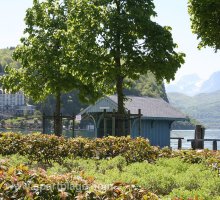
{"x":203,"y":107}
{"x":145,"y":86}
{"x":6,"y":59}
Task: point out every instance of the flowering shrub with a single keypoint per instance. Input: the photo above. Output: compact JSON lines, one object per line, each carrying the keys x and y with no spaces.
{"x":207,"y":157}
{"x":49,"y":148}
{"x":22,"y":183}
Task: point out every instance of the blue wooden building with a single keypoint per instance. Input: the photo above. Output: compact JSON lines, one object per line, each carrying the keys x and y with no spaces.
{"x":154,"y":122}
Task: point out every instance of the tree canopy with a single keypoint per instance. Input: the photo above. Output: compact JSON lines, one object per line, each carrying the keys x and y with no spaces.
{"x":43,"y":55}
{"x":122,"y":41}
{"x":204,"y":15}
{"x":95,"y":46}
{"x":146,"y":85}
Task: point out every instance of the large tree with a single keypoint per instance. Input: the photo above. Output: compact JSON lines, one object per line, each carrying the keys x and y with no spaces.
{"x":120,"y":39}
{"x":205,"y":19}
{"x":43,"y":55}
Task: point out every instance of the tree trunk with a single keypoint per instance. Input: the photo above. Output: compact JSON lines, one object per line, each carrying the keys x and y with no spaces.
{"x":119,"y":86}
{"x":121,"y":108}
{"x":119,"y":78}
{"x":57,"y":117}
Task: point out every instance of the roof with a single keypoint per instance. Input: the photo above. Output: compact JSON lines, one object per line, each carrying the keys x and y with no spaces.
{"x":150,"y":107}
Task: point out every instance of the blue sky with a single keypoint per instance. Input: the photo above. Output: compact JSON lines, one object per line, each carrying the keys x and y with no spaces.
{"x":170,"y":12}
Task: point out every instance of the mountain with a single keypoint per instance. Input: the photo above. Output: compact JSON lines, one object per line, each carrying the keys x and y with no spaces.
{"x":212,"y":84}
{"x":192,"y":84}
{"x":188,"y":84}
{"x":203,"y":107}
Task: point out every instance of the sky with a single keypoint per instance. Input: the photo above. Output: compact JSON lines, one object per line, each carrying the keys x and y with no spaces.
{"x":170,"y":13}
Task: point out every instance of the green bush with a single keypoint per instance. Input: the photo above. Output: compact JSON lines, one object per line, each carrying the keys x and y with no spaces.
{"x":49,"y":148}
{"x":167,"y":177}
{"x":206,"y":157}
{"x":22,"y":183}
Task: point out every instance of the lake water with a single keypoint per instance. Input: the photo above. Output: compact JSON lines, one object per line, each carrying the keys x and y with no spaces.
{"x":189,"y":134}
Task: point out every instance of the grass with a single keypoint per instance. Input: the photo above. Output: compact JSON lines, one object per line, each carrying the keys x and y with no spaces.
{"x":168,"y":177}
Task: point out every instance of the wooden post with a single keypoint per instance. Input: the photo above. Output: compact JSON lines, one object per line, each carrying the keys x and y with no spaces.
{"x":139,"y":127}
{"x":113,"y":123}
{"x":129,"y":122}
{"x":61,"y":119}
{"x":193,"y":146}
{"x":73,"y":126}
{"x":180,"y":143}
{"x":123,"y":118}
{"x":214,"y":145}
{"x":105,"y":123}
{"x":199,"y":134}
{"x":54,"y":122}
{"x":202,"y":135}
{"x":44,"y":123}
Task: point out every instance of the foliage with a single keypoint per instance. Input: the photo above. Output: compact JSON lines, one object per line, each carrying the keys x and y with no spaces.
{"x":48,"y":148}
{"x":22,"y":183}
{"x":43,"y":55}
{"x":169,"y":178}
{"x":205,"y":22}
{"x":120,"y":39}
{"x":146,"y":85}
{"x":123,"y":161}
{"x":18,"y":123}
{"x":207,"y":157}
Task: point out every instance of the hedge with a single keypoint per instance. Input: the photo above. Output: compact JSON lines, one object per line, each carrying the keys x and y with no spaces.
{"x":49,"y":148}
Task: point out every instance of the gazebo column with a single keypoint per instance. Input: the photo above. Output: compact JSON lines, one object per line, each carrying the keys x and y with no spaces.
{"x":105,"y":123}
{"x":129,"y":122}
{"x":139,"y":125}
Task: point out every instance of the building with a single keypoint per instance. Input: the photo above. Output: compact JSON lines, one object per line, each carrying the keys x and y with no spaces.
{"x":10,"y":102}
{"x":14,"y":104}
{"x":148,"y":117}
{"x":25,"y":110}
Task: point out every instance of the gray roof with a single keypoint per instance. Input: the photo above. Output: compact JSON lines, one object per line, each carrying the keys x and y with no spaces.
{"x":150,"y":107}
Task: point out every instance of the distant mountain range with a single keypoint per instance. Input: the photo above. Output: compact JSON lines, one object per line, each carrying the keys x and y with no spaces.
{"x":204,"y":107}
{"x":192,"y":85}
{"x":212,"y":84}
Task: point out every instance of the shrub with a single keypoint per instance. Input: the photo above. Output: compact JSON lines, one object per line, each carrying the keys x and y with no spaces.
{"x":206,"y":157}
{"x":22,"y":183}
{"x":171,"y":178}
{"x":49,"y":148}
{"x":161,"y":177}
